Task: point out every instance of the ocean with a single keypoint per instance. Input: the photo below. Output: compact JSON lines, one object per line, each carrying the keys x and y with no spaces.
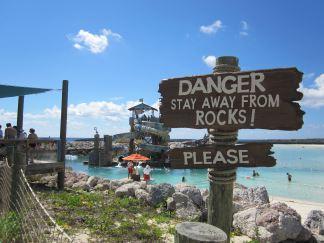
{"x":304,"y":162}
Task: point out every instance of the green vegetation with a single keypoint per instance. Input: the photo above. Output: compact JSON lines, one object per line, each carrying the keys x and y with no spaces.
{"x":107,"y":217}
{"x":9,"y":227}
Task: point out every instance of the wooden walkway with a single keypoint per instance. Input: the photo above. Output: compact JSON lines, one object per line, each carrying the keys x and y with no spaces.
{"x":42,"y":167}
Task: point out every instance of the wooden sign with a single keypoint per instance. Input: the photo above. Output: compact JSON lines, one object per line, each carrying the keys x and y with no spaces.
{"x":253,"y":99}
{"x":222,"y":157}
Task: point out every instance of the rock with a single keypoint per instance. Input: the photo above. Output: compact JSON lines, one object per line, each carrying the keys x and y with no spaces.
{"x":204,"y":215}
{"x":315,"y":221}
{"x":114,"y":184}
{"x":141,"y":194}
{"x":127,"y":189}
{"x":171,"y":204}
{"x":193,"y":193}
{"x":205,"y":195}
{"x":304,"y":235}
{"x":189,"y":212}
{"x":252,"y":196}
{"x":81,"y":185}
{"x":160,"y":192}
{"x":237,"y":207}
{"x":269,"y":223}
{"x":92,"y":181}
{"x":180,"y":199}
{"x":69,"y":183}
{"x":102,"y":187}
{"x":319,"y":238}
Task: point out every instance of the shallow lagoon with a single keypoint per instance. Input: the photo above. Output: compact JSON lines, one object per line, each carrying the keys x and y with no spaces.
{"x":304,"y":162}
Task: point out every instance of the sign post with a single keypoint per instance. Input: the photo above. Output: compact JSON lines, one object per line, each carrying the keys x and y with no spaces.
{"x":224,"y":102}
{"x":221,"y":182}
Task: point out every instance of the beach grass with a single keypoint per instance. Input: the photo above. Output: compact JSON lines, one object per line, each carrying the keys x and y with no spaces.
{"x":107,"y":217}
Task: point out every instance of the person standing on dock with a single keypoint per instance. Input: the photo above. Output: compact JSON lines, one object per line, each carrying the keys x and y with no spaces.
{"x":10,"y":133}
{"x":32,"y":142}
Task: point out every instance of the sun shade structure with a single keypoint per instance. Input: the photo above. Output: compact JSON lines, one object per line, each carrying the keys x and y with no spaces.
{"x":143,"y":107}
{"x":136,"y":157}
{"x":20,"y":92}
{"x":13,"y":91}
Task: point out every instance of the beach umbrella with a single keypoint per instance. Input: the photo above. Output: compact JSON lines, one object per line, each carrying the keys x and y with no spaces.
{"x":136,"y":157}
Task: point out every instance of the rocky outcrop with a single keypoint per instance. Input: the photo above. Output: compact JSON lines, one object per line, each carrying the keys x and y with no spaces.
{"x":128,"y":189}
{"x":315,"y":222}
{"x":192,"y":192}
{"x":249,"y":197}
{"x":159,"y":193}
{"x":92,"y":181}
{"x":270,"y":223}
{"x":114,"y":184}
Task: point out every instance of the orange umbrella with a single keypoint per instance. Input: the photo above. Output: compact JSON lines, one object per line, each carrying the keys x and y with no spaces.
{"x":136,"y":157}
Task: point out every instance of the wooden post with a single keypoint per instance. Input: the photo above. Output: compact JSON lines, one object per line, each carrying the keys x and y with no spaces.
{"x":107,"y":150}
{"x":18,"y":164}
{"x":20,"y":114}
{"x":96,"y":149}
{"x":195,"y":232}
{"x":131,"y":146}
{"x":220,"y":202}
{"x":64,"y":108}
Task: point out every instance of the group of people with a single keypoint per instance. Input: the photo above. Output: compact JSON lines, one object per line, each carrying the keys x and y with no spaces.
{"x":11,"y":133}
{"x":135,"y":172}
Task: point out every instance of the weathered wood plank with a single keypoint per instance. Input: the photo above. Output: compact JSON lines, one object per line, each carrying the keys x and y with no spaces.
{"x":239,"y":100}
{"x":42,"y":168}
{"x":222,"y":157}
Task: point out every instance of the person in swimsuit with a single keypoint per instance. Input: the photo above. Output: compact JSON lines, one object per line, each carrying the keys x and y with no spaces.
{"x":32,"y":142}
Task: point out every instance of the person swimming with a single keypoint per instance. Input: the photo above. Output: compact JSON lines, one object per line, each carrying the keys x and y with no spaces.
{"x":289,"y":177}
{"x":255,"y":173}
{"x":183,"y":179}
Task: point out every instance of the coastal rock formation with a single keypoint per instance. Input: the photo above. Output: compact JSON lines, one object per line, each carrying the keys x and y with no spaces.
{"x":247,"y":197}
{"x":171,"y":204}
{"x":159,"y":193}
{"x":114,"y":184}
{"x":270,"y":223}
{"x":180,"y":199}
{"x":315,"y":222}
{"x":128,"y":189}
{"x":192,"y":192}
{"x":142,"y":194}
{"x":188,"y":212}
{"x":92,"y":181}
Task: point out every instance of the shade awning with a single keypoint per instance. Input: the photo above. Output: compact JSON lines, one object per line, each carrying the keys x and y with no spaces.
{"x":12,"y":91}
{"x":136,"y":157}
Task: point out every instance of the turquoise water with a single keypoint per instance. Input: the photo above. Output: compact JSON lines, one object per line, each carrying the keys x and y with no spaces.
{"x":304,"y":162}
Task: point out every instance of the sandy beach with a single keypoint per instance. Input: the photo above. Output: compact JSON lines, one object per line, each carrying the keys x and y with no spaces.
{"x":301,"y":206}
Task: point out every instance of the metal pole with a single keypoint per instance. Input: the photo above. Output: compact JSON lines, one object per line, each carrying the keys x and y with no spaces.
{"x":221,"y":182}
{"x":64,"y":107}
{"x":20,"y":114}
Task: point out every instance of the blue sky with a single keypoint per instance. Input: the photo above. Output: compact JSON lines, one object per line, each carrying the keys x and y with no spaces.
{"x":115,"y":52}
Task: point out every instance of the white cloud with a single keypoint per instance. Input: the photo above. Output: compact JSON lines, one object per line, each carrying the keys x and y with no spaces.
{"x":308,"y":75}
{"x":213,"y":28}
{"x":244,"y":25}
{"x":314,"y":96}
{"x":244,"y":28}
{"x":210,"y":61}
{"x":95,"y":43}
{"x":109,"y":117}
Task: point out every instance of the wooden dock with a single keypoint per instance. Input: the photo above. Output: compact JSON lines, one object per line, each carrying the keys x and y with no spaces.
{"x":42,"y":167}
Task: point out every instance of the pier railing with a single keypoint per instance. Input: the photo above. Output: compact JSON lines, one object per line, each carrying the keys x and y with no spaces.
{"x":23,"y":218}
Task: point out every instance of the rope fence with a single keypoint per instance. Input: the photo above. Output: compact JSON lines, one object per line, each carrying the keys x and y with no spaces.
{"x":23,"y":218}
